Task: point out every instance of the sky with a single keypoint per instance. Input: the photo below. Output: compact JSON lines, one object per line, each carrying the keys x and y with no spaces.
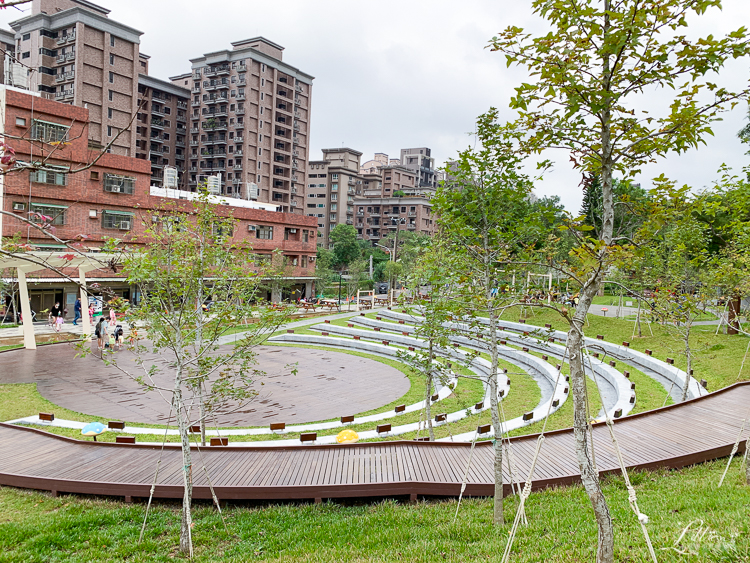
{"x":407,"y":73}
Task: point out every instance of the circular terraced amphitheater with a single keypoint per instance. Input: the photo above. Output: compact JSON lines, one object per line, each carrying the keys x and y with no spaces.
{"x":279,"y":463}
{"x":332,"y":390}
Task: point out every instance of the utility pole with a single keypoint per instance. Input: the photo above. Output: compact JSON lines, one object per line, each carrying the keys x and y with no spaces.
{"x":370,"y":266}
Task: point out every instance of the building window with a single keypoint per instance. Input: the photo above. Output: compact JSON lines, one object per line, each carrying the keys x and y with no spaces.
{"x":334,"y":187}
{"x":264,"y":232}
{"x":110,"y":112}
{"x":111,"y":59}
{"x":117,"y":220}
{"x":111,"y":77}
{"x":263,"y":67}
{"x":21,"y":121}
{"x":334,"y":197}
{"x":111,"y":40}
{"x":111,"y":96}
{"x":116,"y":183}
{"x":26,"y":37}
{"x":55,"y":212}
{"x":305,"y":238}
{"x":49,"y":132}
{"x":109,"y":130}
{"x":51,"y":177}
{"x":26,"y":55}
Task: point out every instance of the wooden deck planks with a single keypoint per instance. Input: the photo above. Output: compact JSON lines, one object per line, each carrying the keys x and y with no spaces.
{"x":686,"y":433}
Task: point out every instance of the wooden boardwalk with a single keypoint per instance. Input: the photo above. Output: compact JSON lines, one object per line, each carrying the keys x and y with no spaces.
{"x":674,"y":436}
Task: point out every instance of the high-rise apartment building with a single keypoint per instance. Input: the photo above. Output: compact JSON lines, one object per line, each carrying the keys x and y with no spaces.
{"x":377,"y":197}
{"x":421,"y":162}
{"x":332,"y":184}
{"x":249,"y":122}
{"x":75,"y":54}
{"x":161,"y":127}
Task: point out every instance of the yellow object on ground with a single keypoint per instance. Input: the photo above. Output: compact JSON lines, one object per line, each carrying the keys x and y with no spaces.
{"x":347,"y":437}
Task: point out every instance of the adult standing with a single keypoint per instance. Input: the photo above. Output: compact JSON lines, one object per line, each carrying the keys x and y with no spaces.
{"x":101,"y":333}
{"x":77,"y":310}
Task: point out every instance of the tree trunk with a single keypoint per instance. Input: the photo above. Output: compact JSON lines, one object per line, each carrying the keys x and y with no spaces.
{"x":589,"y":477}
{"x":498,"y":517}
{"x":689,"y":358}
{"x":186,"y":540}
{"x":638,"y":319}
{"x":428,"y":393}
{"x":733,"y":315}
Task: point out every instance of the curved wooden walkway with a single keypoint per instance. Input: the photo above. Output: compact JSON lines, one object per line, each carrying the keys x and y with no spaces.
{"x":674,"y":436}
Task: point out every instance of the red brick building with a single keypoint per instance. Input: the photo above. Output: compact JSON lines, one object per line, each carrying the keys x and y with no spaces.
{"x":102,"y":195}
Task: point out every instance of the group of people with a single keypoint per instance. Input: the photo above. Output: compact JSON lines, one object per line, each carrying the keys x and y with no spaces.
{"x":109,"y":334}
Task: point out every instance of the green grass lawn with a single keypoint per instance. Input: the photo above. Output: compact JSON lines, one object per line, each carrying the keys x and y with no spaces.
{"x":35,"y":527}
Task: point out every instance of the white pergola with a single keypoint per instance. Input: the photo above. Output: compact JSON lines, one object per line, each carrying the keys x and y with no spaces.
{"x":35,"y":261}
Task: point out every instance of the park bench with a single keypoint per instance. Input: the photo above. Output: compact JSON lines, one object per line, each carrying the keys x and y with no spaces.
{"x":308,"y":437}
{"x":308,"y":306}
{"x":219,"y":441}
{"x":116,"y":425}
{"x":46,"y":416}
{"x":125,"y":440}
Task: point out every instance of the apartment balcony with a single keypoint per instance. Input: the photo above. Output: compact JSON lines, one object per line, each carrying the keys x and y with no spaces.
{"x":360,"y":213}
{"x":210,"y":87}
{"x":298,"y":88}
{"x":215,"y":127}
{"x":239,"y":139}
{"x":158,"y":112}
{"x":156,"y":165}
{"x":193,"y":169}
{"x":157,"y":139}
{"x":216,"y":113}
{"x":411,"y":214}
{"x":65,"y":76}
{"x":194,"y":143}
{"x":157,"y":124}
{"x":182,"y":105}
{"x":240,"y":97}
{"x":242,"y":68}
{"x":237,"y":167}
{"x":70,"y":56}
{"x":223,"y":86}
{"x":216,"y":167}
{"x":282,"y":93}
{"x":241,"y":82}
{"x":194,"y":130}
{"x":237,"y":153}
{"x":349,"y":222}
{"x":181,"y":119}
{"x":181,"y":130}
{"x":180,"y":144}
{"x":223,"y":70}
{"x":411,"y":226}
{"x":60,"y":58}
{"x":375,"y":214}
{"x":217,"y":141}
{"x":206,"y":152}
{"x":63,"y":39}
{"x":240,"y":111}
{"x":64,"y":95}
{"x":352,"y":182}
{"x":195,"y":104}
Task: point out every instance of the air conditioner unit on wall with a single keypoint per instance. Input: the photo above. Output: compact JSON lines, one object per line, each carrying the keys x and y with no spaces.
{"x":18,"y":206}
{"x":124,"y":225}
{"x":252,"y":228}
{"x":292,"y":231}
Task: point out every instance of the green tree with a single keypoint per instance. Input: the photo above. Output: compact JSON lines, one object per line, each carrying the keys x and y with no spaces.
{"x":345,"y":246}
{"x":484,"y":217}
{"x":589,"y":75}
{"x":187,"y":259}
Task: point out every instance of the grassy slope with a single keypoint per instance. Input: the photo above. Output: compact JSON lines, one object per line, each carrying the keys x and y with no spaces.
{"x":35,"y":527}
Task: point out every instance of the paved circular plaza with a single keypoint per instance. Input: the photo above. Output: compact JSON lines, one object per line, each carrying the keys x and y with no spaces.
{"x":327,"y":385}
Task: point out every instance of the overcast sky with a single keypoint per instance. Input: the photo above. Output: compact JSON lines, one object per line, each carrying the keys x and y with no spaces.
{"x":396,"y":74}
